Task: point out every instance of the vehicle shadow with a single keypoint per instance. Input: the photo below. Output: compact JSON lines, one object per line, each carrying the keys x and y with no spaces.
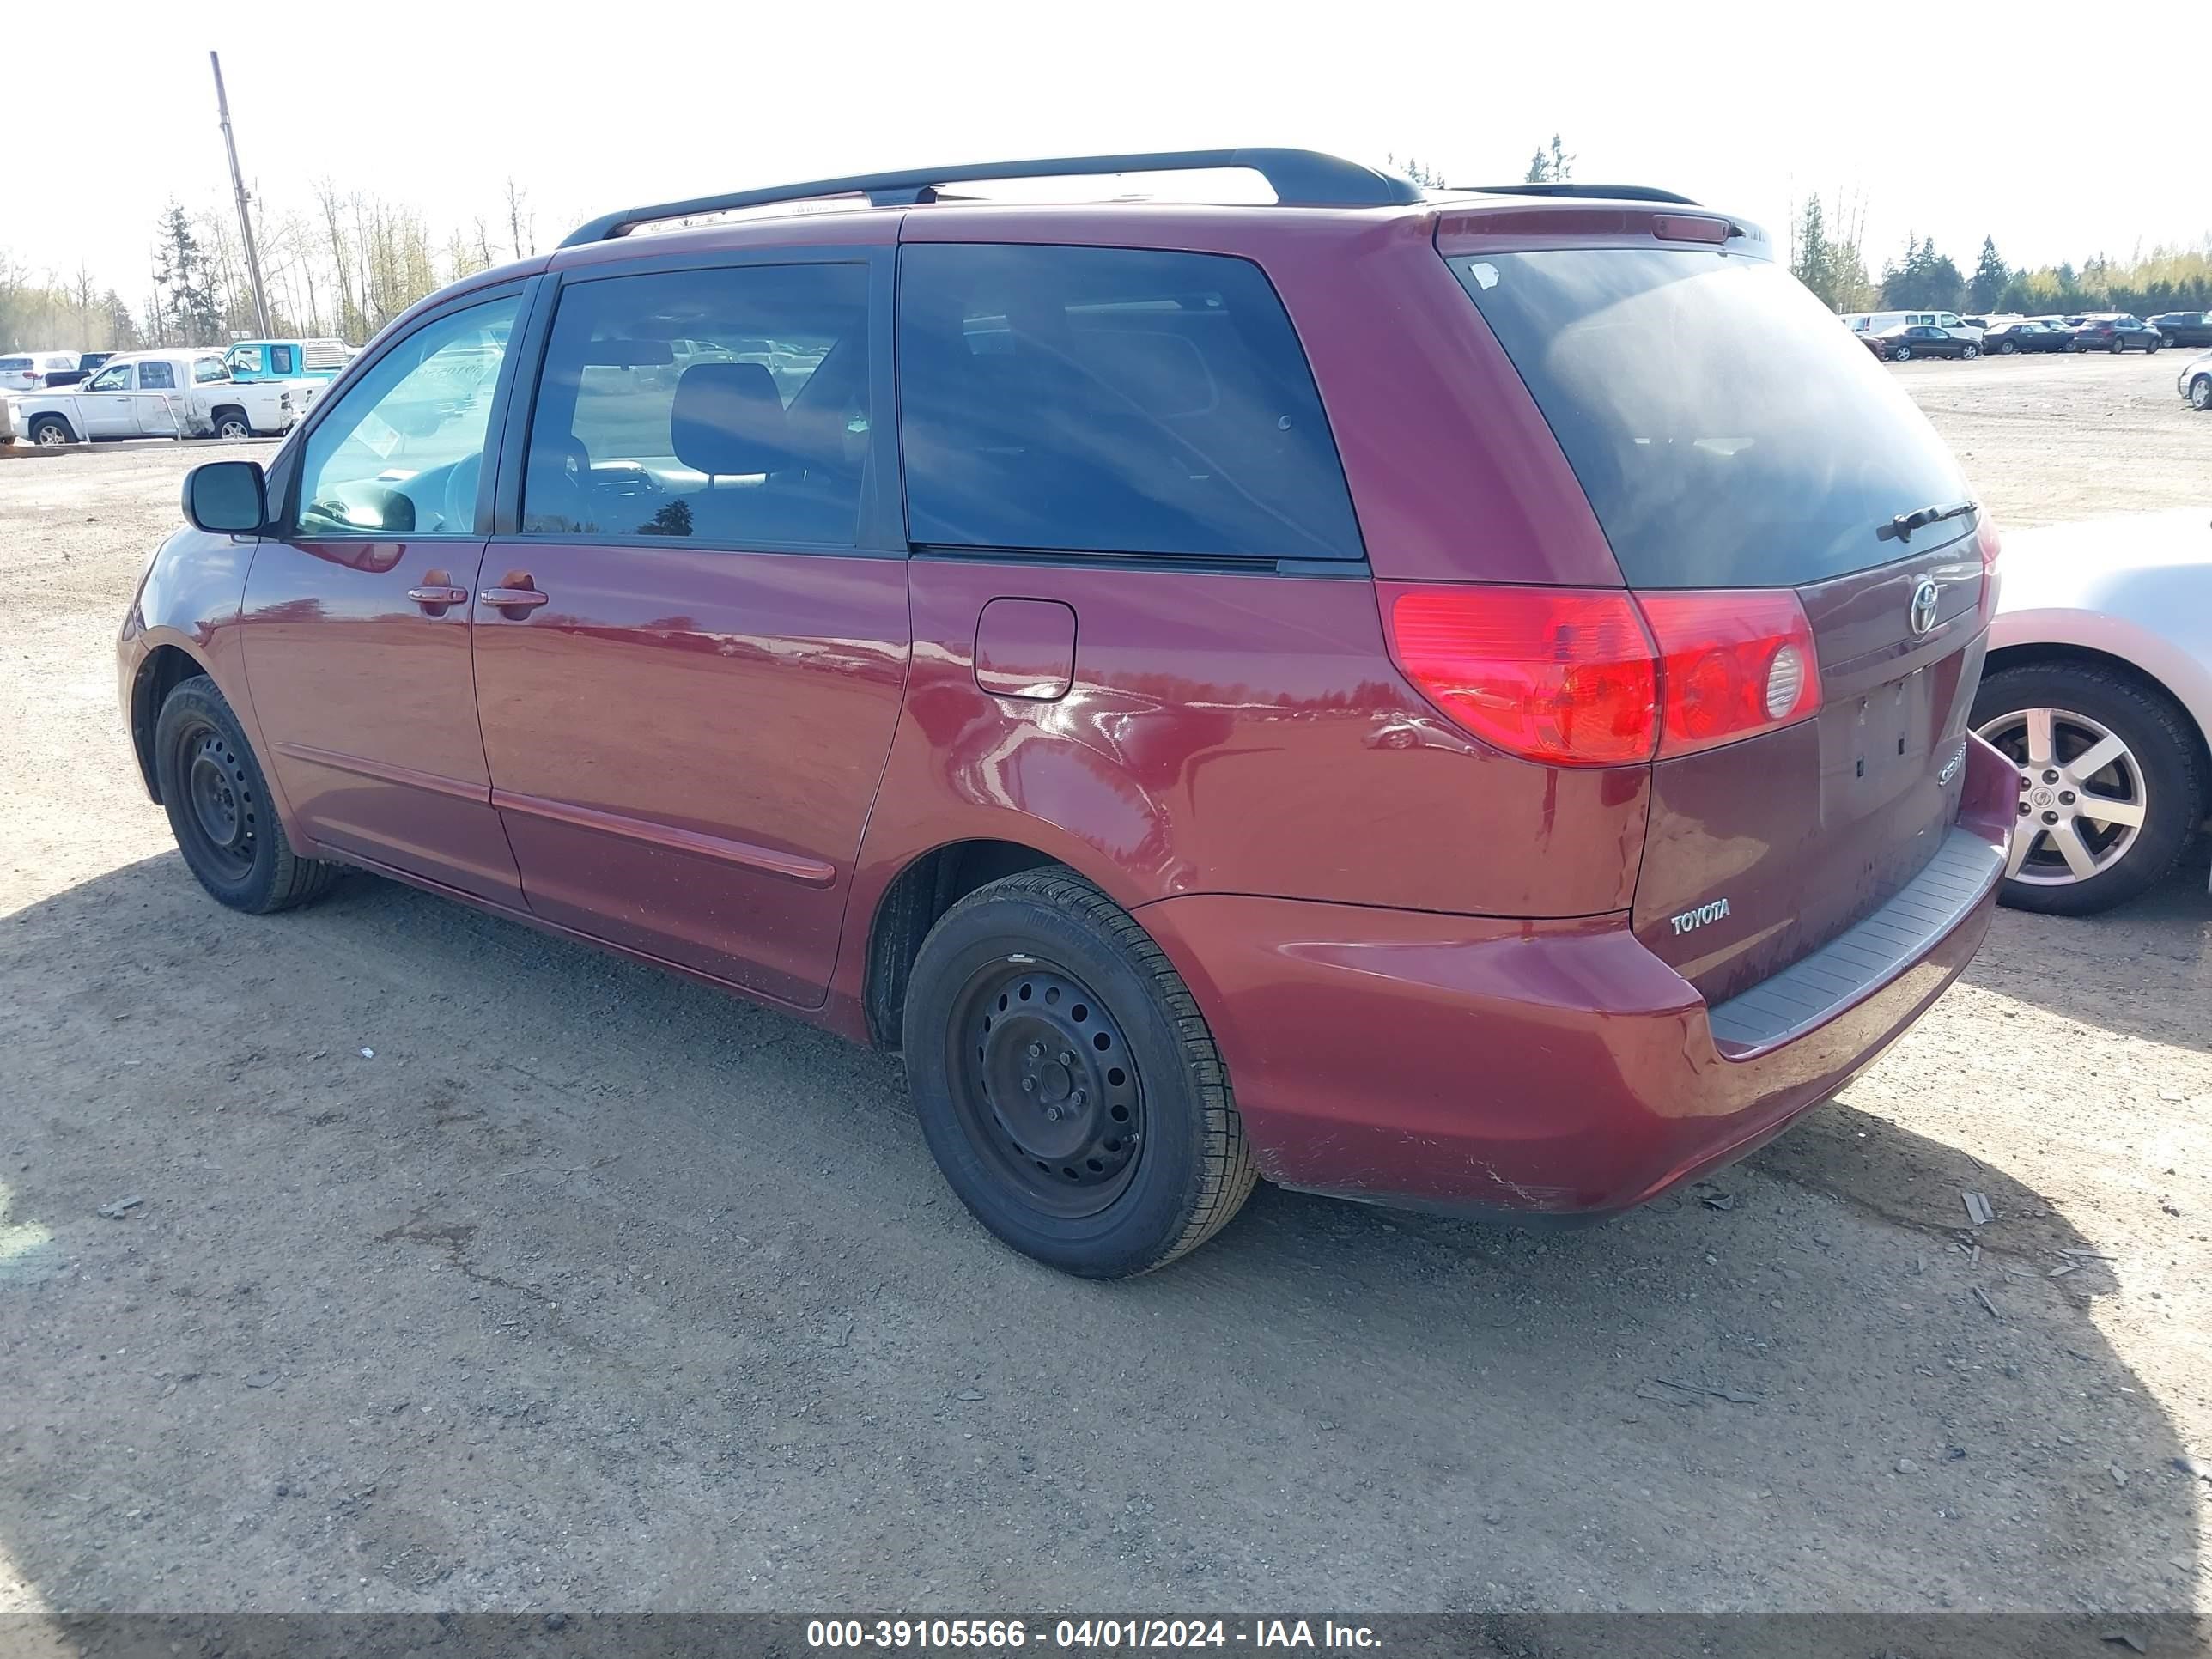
{"x":471,"y":1269}
{"x":2143,"y":968}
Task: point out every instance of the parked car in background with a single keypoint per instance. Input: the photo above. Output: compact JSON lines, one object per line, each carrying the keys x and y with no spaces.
{"x":1925,"y":340}
{"x":1875,"y":322}
{"x":260,"y":361}
{"x":2099,"y":689}
{"x":1089,"y":686}
{"x":34,"y":371}
{"x":2007,"y":339}
{"x":2183,"y":328}
{"x":2194,"y":383}
{"x":2116,"y":333}
{"x":161,"y":394}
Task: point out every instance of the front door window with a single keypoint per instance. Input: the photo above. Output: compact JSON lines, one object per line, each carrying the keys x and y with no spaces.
{"x":402,"y":453}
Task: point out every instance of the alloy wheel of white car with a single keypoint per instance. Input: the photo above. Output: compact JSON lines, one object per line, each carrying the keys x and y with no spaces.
{"x":2082,"y":797}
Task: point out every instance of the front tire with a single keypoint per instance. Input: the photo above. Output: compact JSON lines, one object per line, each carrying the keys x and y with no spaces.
{"x":1971,"y":353}
{"x":52,"y":432}
{"x":2200,"y":394}
{"x":1066,"y":1082}
{"x":219,"y":809}
{"x":2083,"y":738}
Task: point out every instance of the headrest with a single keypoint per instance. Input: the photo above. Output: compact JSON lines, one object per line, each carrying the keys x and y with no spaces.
{"x":727,"y":418}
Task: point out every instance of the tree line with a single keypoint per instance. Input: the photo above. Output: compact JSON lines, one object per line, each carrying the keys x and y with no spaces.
{"x":343,"y":266}
{"x":349,"y":262}
{"x":1825,"y":254}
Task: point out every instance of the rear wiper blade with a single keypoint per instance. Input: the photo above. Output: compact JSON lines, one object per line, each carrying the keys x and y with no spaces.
{"x":1901,"y":527}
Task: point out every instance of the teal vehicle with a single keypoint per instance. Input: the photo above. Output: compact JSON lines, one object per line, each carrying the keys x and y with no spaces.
{"x":288,"y":360}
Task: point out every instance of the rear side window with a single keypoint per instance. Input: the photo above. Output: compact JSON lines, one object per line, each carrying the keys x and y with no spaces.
{"x":1726,"y":432}
{"x":280,"y":360}
{"x":719,"y":405}
{"x":156,"y":377}
{"x":1110,"y":400}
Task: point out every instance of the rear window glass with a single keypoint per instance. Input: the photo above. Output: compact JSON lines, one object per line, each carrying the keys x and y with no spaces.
{"x":724,"y":406}
{"x":1726,"y":432}
{"x":1111,"y":400}
{"x":7,"y":364}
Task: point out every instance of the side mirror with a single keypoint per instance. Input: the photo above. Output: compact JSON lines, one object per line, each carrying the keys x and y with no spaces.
{"x":226,"y":498}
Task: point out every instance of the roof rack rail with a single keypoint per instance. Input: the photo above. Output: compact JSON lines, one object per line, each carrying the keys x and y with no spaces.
{"x":1300,"y":177}
{"x":1600,"y":193}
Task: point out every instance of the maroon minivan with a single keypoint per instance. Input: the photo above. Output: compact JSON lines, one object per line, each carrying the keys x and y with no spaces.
{"x":1452,"y":699}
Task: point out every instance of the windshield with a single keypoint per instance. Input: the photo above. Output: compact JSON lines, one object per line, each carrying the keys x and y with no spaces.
{"x":1726,"y":432}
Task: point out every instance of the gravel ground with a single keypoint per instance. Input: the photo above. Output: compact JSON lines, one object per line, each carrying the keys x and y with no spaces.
{"x":594,"y":1290}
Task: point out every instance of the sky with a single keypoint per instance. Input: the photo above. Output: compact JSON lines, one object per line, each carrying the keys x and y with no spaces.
{"x":1928,"y":115}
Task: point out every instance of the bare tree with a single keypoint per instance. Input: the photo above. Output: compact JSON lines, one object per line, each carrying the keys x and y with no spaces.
{"x":520,"y":224}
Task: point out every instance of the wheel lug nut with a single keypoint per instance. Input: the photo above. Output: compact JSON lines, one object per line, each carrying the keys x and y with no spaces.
{"x":1067,"y":1057}
{"x":2025,"y":809}
{"x":1052,"y":1114}
{"x":2051,"y":817}
{"x":2066,"y":798}
{"x":1077,"y":1099}
{"x":1036,"y":1051}
{"x":2050,"y":775}
{"x":1029,"y":1086}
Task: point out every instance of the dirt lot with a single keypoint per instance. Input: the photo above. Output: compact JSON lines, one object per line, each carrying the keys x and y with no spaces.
{"x":596,"y":1290}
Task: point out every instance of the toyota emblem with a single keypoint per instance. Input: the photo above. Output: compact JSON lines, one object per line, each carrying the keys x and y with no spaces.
{"x":1923,"y":607}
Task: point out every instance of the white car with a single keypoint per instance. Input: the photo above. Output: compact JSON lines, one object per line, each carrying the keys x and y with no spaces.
{"x":2195,"y":382}
{"x":162,"y":394}
{"x":2098,"y":687}
{"x":31,"y":371}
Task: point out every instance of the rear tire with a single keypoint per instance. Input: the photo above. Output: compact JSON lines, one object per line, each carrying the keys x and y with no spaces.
{"x":231,"y":424}
{"x":2168,"y":781}
{"x":2118,"y":345}
{"x":1902,"y":355}
{"x":2008,"y":347}
{"x":1066,"y":1082}
{"x":219,"y":809}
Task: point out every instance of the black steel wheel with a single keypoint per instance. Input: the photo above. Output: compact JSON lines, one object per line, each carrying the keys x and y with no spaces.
{"x":219,"y":809}
{"x":1051,"y":1089}
{"x":1066,"y":1082}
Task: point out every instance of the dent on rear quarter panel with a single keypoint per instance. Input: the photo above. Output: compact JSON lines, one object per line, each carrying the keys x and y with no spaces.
{"x":1230,"y":732}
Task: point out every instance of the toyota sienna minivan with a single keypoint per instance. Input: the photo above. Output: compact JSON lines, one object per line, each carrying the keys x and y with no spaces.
{"x":1447,"y":699}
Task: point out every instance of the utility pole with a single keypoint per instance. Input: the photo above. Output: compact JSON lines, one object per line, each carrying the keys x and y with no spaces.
{"x":245,"y":215}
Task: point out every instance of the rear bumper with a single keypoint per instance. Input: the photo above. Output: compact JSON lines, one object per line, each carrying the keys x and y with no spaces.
{"x":1548,"y":1067}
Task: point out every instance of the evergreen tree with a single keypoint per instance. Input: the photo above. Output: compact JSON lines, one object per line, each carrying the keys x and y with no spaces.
{"x":191,"y":305}
{"x":1991,"y":275}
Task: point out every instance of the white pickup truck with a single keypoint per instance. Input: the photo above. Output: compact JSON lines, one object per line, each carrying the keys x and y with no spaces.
{"x":162,"y":394}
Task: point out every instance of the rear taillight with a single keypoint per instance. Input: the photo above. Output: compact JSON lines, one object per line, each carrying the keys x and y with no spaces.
{"x":1595,"y":677}
{"x":1562,"y":675}
{"x":1990,"y":544}
{"x":36,"y":378}
{"x":1731,"y":665}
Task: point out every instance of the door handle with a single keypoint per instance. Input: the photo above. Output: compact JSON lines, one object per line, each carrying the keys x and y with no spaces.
{"x":435,"y":599}
{"x":513,"y":601}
